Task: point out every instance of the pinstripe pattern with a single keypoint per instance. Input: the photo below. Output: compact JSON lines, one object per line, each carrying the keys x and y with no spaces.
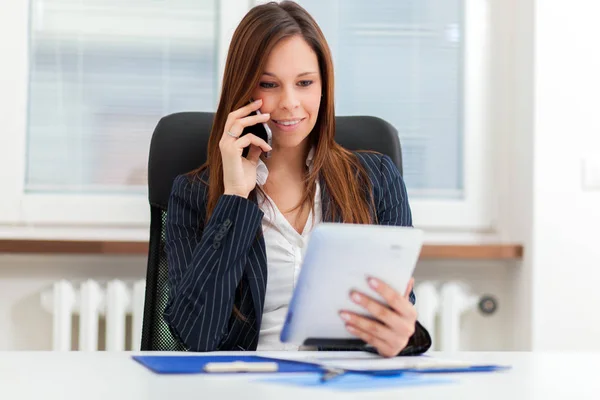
{"x":217,"y":263}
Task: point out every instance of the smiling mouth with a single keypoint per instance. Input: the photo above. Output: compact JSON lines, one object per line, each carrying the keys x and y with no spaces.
{"x":289,"y":122}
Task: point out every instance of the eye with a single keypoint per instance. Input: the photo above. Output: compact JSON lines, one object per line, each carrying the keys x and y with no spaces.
{"x":267,"y":85}
{"x":305,"y":83}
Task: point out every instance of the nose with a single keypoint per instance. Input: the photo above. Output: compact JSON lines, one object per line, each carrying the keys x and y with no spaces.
{"x":289,"y":99}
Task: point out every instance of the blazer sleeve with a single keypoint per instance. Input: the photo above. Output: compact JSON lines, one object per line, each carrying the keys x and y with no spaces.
{"x":206,"y":261}
{"x":393,"y":209}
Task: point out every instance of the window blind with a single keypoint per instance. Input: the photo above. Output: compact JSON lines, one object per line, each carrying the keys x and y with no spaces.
{"x":401,"y":60}
{"x":102,"y":73}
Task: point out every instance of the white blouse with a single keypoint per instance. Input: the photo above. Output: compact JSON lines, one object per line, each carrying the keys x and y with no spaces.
{"x":285,"y":250}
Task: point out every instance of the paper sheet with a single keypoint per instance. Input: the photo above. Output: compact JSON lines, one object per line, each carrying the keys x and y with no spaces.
{"x":394,"y":363}
{"x":374,"y":362}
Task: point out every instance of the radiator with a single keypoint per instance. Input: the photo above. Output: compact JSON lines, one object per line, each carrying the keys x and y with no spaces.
{"x":441,"y":306}
{"x":92,"y":301}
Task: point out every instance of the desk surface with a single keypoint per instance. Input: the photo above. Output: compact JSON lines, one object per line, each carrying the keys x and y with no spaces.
{"x":76,"y":375}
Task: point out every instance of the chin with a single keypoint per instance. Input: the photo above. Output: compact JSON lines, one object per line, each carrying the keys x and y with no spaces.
{"x":287,"y":141}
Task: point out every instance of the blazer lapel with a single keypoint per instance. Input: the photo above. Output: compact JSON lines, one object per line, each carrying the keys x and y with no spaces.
{"x":257,"y":272}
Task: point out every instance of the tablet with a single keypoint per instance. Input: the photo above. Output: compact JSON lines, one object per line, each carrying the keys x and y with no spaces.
{"x":338,"y":259}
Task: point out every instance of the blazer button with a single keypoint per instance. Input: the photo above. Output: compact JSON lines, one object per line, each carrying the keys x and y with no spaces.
{"x":227,"y":223}
{"x":218,"y":237}
{"x":216,"y":245}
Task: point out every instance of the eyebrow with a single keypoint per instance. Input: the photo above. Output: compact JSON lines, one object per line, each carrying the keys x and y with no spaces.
{"x":302,"y":74}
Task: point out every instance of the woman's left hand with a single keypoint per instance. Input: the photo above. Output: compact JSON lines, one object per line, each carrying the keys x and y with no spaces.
{"x":395,"y":324}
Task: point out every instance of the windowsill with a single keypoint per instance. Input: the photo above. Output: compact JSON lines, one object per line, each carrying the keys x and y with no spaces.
{"x":134,"y":241}
{"x":75,"y":233}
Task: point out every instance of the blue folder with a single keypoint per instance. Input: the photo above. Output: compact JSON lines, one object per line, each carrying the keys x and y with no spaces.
{"x":366,"y":380}
{"x":351,"y":382}
{"x":194,"y":364}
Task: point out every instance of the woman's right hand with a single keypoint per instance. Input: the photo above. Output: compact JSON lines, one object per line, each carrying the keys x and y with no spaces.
{"x":239,"y":173}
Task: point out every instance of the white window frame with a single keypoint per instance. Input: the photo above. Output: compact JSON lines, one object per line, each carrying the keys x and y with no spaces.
{"x":23,"y":212}
{"x":475,"y":211}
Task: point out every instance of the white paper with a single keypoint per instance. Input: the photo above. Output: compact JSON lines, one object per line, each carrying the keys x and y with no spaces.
{"x":394,"y":363}
{"x":374,"y":362}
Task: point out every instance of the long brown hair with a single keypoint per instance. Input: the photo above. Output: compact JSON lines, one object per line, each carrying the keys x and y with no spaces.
{"x":259,"y":31}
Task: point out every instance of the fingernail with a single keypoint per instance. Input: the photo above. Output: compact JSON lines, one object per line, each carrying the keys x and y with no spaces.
{"x":356,"y":297}
{"x":267,"y":115}
{"x":373,"y":282}
{"x":345,"y":316}
{"x":257,"y":101}
{"x":351,"y":329}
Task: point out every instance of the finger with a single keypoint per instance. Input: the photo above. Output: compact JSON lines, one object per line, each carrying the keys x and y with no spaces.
{"x":377,"y":310}
{"x":399,"y":303}
{"x":373,"y":327}
{"x":249,"y":139}
{"x":383,"y":348}
{"x":254,"y":153}
{"x":245,"y":110}
{"x":238,"y":125}
{"x":394,"y":338}
{"x":400,"y":325}
{"x":409,"y":288}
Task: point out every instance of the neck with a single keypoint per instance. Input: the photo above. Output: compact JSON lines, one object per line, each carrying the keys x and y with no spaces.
{"x":288,"y":162}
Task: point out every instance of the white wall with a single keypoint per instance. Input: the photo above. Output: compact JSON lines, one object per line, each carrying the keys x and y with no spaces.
{"x":546,"y":126}
{"x":566,"y":219}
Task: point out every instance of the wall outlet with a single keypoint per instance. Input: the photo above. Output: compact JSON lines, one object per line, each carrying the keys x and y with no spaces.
{"x":591,"y":174}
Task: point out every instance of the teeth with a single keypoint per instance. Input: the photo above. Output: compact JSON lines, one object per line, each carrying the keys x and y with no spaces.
{"x":288,"y":123}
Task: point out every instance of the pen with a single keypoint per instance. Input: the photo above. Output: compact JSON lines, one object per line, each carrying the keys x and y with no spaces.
{"x":240,"y":366}
{"x":331,"y":373}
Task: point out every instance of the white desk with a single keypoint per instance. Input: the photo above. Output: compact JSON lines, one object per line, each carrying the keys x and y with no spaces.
{"x":114,"y":376}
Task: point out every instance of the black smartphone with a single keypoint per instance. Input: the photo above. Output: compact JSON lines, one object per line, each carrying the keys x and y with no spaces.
{"x":260,"y":130}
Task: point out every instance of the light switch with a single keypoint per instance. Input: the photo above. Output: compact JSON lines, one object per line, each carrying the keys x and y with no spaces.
{"x":591,"y":173}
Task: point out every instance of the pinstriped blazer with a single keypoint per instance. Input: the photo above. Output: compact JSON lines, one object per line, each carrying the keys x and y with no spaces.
{"x":217,"y":263}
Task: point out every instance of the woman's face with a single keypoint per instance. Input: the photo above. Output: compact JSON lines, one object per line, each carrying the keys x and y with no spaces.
{"x":290,"y":89}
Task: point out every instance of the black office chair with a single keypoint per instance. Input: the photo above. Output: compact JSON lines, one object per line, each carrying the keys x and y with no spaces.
{"x":178,"y":146}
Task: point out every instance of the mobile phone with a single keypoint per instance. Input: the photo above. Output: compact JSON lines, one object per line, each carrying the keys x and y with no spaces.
{"x":260,"y":130}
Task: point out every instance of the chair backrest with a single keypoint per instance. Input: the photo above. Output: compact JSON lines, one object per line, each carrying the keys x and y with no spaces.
{"x":179,"y":145}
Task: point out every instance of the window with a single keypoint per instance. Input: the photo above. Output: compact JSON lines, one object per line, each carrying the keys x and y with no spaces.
{"x":401,"y":60}
{"x":411,"y":62}
{"x":102,"y":73}
{"x":85,"y":82}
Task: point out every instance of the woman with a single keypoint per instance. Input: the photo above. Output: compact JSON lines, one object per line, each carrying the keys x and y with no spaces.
{"x":236,"y":227}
